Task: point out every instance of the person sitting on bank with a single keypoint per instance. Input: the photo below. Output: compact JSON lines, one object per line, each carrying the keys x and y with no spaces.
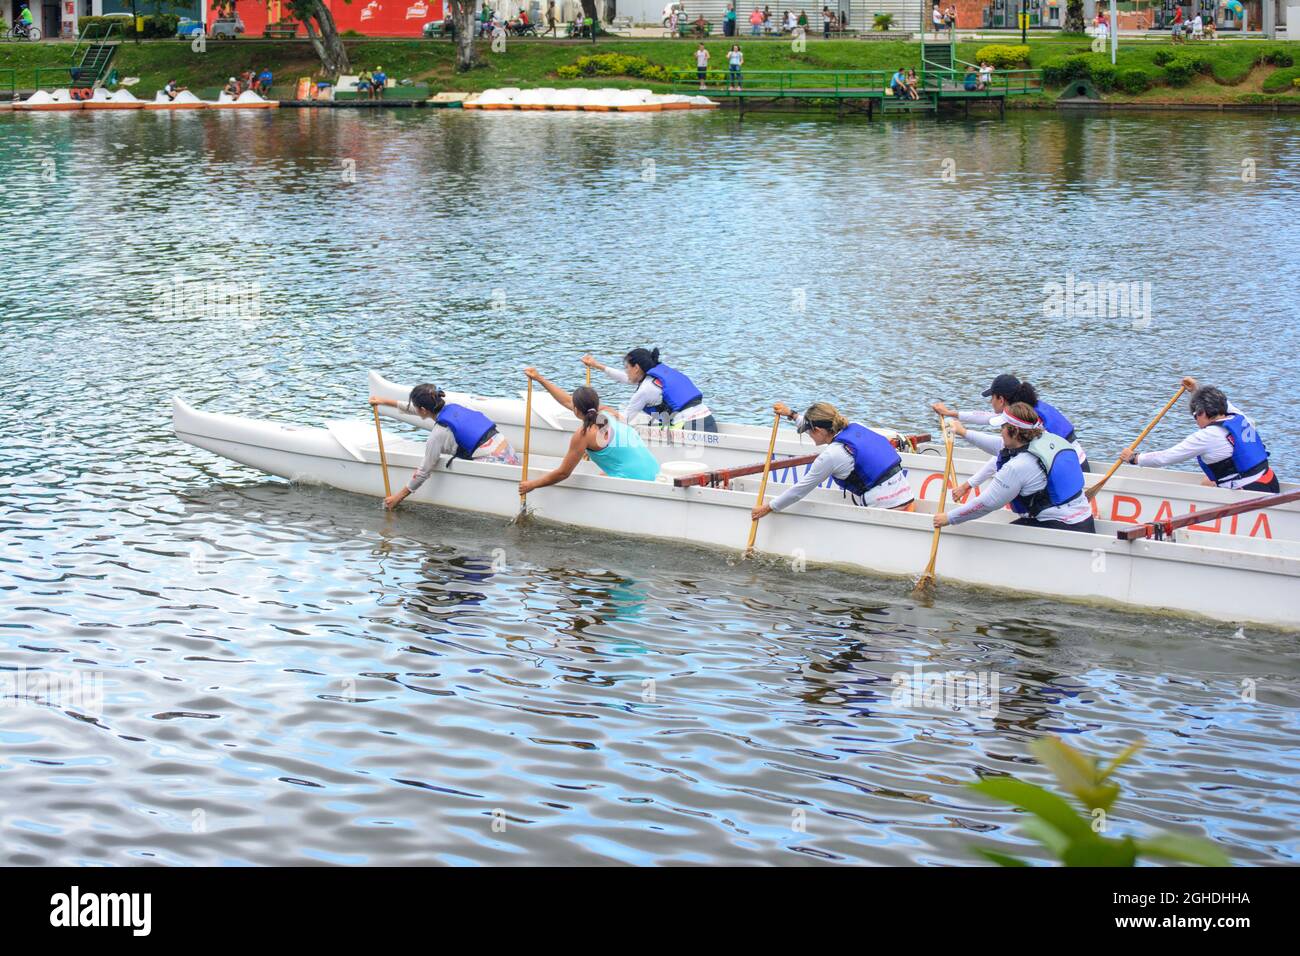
{"x":912,"y":91}
{"x":1035,"y":472}
{"x":670,"y":398}
{"x":1226,"y":445}
{"x":612,"y":446}
{"x":364,"y":83}
{"x":457,"y":431}
{"x":378,"y":80}
{"x":898,"y":84}
{"x":864,"y":463}
{"x":986,"y":75}
{"x":263,"y":84}
{"x":972,"y":81}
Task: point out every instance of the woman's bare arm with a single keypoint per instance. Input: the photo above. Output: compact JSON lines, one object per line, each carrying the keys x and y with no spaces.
{"x":556,"y":392}
{"x":577,"y":448}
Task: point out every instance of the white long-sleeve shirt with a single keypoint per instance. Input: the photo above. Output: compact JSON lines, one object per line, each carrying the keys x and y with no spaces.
{"x":981,"y":418}
{"x":441,"y":442}
{"x":836,"y":460}
{"x":1022,"y":475}
{"x":1210,"y":443}
{"x":649,"y":396}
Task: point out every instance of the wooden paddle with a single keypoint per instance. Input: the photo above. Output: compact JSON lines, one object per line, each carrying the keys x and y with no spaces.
{"x":1092,"y":492}
{"x":528,"y":434}
{"x":383,"y":459}
{"x":762,"y":484}
{"x":927,"y":577}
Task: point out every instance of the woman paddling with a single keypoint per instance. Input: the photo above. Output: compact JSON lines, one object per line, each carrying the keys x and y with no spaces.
{"x":457,"y":431}
{"x":862,"y":462}
{"x":1035,"y":472}
{"x":665,"y":394}
{"x":1006,"y":390}
{"x":616,"y":449}
{"x":1226,"y":445}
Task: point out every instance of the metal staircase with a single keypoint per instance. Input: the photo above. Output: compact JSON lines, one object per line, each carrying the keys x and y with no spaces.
{"x":93,"y":55}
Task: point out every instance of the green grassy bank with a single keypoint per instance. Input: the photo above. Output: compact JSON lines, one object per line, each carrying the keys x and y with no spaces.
{"x":1221,"y":72}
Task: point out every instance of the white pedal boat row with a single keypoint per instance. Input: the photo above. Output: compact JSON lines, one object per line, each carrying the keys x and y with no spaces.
{"x":1133,"y":496}
{"x":1254,"y":581}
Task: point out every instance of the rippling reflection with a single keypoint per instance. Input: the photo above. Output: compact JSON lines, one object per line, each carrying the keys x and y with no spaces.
{"x":287,"y":675}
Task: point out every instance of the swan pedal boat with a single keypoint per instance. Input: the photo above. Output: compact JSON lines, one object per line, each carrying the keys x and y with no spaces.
{"x":1133,"y":496}
{"x":1233,"y":579}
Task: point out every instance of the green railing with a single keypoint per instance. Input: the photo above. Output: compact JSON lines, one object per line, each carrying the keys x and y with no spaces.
{"x":807,"y":83}
{"x":91,"y":34}
{"x":1001,"y":82}
{"x":64,"y":74}
{"x":8,"y":81}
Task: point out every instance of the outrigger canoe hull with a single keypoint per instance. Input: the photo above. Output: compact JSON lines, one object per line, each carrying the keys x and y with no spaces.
{"x":1133,"y":496}
{"x":1257,"y":584}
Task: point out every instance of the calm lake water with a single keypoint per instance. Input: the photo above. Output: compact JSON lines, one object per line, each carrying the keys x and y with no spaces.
{"x":270,"y":674}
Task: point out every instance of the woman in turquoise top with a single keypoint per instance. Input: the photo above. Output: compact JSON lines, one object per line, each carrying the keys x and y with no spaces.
{"x":615,"y":448}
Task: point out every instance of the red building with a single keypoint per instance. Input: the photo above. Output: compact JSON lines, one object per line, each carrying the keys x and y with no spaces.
{"x":374,"y":18}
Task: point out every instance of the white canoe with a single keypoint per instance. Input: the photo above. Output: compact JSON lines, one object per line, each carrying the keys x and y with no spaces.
{"x":1132,"y":496}
{"x":1254,"y":582}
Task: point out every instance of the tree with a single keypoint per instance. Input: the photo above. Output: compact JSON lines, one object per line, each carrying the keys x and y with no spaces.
{"x":462,"y":15}
{"x":323,"y":34}
{"x":1074,"y":16}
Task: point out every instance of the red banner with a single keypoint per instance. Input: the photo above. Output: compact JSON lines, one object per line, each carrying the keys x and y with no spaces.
{"x":372,"y":18}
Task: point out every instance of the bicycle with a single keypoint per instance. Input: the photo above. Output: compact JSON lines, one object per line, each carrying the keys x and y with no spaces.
{"x":21,"y":31}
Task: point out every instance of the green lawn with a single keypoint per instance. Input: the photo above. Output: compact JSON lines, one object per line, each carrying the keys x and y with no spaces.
{"x":534,"y":62}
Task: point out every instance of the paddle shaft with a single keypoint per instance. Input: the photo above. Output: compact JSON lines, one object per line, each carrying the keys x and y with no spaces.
{"x":762,"y":485}
{"x":721,"y":476}
{"x":383,"y":459}
{"x":528,"y":434}
{"x":928,"y":576}
{"x":724,"y":475}
{"x":1203,"y":517}
{"x":1092,"y":492}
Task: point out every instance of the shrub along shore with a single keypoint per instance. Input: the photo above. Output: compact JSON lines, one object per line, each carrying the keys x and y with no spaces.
{"x":1149,"y":73}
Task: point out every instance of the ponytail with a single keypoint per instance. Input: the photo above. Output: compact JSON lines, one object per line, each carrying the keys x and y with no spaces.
{"x":429,"y":397}
{"x":825,"y":415}
{"x":644,"y":359}
{"x":586,"y":404}
{"x":1025,"y":393}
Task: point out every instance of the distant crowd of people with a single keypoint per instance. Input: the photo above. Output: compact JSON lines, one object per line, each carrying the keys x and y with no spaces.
{"x":259,"y":83}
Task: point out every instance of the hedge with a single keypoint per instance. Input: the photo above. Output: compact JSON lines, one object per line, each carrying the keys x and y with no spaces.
{"x":614,"y":64}
{"x":1134,"y":81}
{"x":157,"y":26}
{"x":1282,"y":81}
{"x":1002,"y":56}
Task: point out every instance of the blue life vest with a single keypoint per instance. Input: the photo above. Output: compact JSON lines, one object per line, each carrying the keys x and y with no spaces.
{"x":874,"y":458}
{"x":1059,"y":462}
{"x":1054,"y":422}
{"x":679,"y":391}
{"x":1249,"y":456}
{"x":470,"y":428}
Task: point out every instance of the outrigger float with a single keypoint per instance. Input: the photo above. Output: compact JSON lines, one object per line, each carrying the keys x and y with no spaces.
{"x":1228,"y":578}
{"x":1133,"y":496}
